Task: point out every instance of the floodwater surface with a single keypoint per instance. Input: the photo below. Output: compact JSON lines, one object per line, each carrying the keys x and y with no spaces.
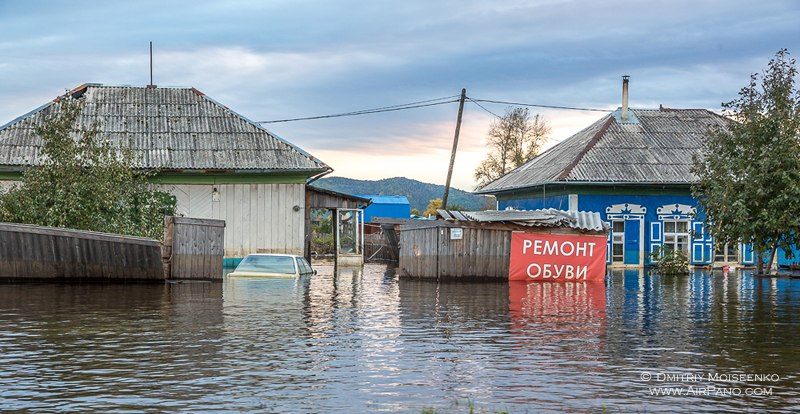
{"x":353,"y":340}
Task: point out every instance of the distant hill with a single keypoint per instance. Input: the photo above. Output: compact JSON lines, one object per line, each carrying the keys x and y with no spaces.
{"x":418,"y":193}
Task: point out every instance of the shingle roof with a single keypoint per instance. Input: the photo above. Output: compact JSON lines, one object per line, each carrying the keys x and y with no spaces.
{"x":176,"y":128}
{"x":656,"y":148}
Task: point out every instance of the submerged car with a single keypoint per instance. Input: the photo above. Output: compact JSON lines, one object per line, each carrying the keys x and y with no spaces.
{"x":272,"y":265}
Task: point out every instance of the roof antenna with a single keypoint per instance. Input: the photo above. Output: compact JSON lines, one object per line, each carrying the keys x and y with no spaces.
{"x":151,"y":67}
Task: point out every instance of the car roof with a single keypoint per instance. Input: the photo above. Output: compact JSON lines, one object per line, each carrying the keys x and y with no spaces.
{"x":274,"y":254}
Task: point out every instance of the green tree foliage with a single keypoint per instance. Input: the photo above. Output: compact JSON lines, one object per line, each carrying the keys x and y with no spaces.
{"x":436,"y":205}
{"x":325,"y":220}
{"x":749,"y":172}
{"x":513,"y":140}
{"x":85,"y":182}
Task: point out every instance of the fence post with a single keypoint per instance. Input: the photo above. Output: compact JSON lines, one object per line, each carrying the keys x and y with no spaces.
{"x":166,"y":248}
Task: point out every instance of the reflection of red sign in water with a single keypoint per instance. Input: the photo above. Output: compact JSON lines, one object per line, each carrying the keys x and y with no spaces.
{"x":564,"y":319}
{"x":557,"y":258}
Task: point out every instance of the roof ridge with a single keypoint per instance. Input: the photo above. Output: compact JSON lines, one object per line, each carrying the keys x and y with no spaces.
{"x":295,"y":159}
{"x":586,"y":149}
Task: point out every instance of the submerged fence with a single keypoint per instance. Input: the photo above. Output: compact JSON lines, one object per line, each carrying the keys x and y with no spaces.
{"x":39,"y":252}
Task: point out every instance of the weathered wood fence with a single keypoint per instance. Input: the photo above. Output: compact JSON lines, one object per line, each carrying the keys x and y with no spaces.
{"x":39,"y":252}
{"x":377,"y":248}
{"x":193,"y":248}
{"x":428,"y":251}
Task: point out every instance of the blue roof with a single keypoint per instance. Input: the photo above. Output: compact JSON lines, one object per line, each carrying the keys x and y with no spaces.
{"x":379,"y":199}
{"x":386,"y":206}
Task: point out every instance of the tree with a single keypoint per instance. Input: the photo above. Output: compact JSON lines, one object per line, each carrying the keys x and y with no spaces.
{"x":513,"y":140}
{"x":434,"y":205}
{"x":748,"y":172}
{"x":84,"y":182}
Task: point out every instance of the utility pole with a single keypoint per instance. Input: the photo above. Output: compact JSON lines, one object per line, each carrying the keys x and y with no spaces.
{"x":455,"y":145}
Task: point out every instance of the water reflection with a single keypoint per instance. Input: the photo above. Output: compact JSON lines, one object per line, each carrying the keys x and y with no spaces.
{"x":355,"y":340}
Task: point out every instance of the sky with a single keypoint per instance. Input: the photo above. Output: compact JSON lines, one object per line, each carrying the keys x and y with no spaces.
{"x":271,"y":60}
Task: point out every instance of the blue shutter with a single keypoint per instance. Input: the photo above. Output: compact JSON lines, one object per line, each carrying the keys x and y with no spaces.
{"x":608,"y":245}
{"x":656,"y":238}
{"x":748,"y":255}
{"x":701,"y":246}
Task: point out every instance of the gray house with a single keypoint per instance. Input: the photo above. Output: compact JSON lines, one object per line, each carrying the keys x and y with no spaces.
{"x":217,"y":163}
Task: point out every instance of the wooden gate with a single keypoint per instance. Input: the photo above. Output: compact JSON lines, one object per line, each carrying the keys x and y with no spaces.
{"x":193,"y":248}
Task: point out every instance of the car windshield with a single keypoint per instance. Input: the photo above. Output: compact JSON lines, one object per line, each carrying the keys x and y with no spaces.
{"x":267,"y":264}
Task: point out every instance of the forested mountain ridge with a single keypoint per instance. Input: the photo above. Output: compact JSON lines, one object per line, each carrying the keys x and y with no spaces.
{"x":419,"y":194}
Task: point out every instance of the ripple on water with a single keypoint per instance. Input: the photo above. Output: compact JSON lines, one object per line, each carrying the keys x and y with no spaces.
{"x":358,"y":341}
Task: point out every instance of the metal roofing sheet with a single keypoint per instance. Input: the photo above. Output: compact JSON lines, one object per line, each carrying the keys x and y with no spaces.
{"x":584,"y":220}
{"x":380,"y":199}
{"x":175,"y":128}
{"x":657,"y":149}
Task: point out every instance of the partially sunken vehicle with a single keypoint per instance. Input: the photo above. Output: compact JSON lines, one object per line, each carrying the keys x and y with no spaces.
{"x":272,"y":265}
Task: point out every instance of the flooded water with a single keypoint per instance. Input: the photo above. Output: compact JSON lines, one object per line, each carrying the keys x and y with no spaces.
{"x":364,"y":341}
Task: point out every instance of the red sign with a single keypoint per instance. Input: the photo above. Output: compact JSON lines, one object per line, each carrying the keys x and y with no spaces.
{"x":557,"y":258}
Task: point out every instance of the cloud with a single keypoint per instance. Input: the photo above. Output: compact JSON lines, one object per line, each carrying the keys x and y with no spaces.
{"x":285,"y":59}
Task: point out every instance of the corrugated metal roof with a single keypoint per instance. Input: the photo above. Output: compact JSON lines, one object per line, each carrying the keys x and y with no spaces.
{"x":378,"y":199}
{"x":656,"y":149}
{"x":583,"y":220}
{"x":175,"y":128}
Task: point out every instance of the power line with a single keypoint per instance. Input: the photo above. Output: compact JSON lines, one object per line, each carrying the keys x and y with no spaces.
{"x":540,"y":106}
{"x":482,"y":107}
{"x":420,"y":104}
{"x":430,"y":102}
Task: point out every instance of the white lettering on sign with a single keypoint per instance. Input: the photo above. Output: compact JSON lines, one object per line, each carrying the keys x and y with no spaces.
{"x":554,"y":271}
{"x":553,"y":248}
{"x":557,"y":257}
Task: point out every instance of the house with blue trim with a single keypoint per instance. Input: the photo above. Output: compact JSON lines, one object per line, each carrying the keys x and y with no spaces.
{"x":632,"y":166}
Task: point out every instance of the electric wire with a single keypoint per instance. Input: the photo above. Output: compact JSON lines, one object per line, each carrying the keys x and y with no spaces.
{"x":419,"y":104}
{"x":484,"y":108}
{"x":431,"y":102}
{"x":541,"y":106}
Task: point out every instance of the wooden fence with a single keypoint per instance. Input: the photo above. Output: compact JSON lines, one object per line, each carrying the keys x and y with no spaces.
{"x":39,"y":252}
{"x":193,"y":248}
{"x":427,"y":251}
{"x":376,"y":248}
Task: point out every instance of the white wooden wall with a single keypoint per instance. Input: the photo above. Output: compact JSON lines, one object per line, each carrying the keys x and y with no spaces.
{"x":259,"y":218}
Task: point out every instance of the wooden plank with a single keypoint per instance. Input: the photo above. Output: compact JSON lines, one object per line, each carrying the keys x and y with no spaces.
{"x":260,"y":218}
{"x":238,"y":223}
{"x":294,"y":230}
{"x":205,"y":254}
{"x":229,"y":217}
{"x":6,"y":267}
{"x":198,"y":221}
{"x":280,"y":212}
{"x":245,"y":219}
{"x":269,"y":219}
{"x":93,"y":235}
